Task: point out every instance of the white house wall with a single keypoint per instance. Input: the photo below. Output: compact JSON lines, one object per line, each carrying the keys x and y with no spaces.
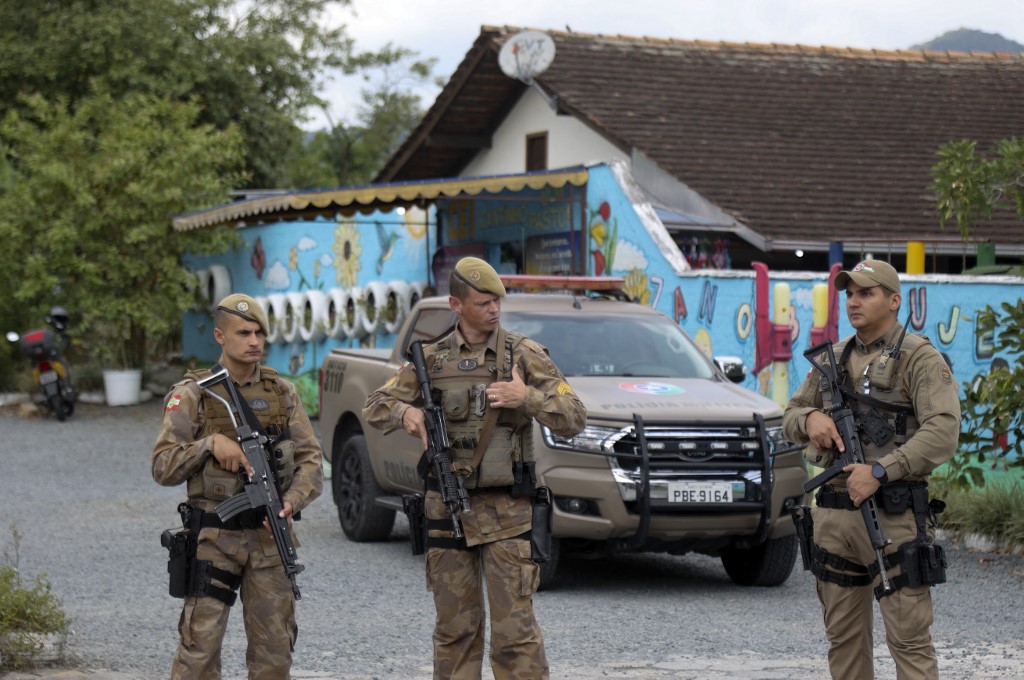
{"x":570,"y":142}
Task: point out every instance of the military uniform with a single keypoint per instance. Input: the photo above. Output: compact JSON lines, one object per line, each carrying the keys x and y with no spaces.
{"x":912,"y":399}
{"x":496,"y":548}
{"x":243,"y":550}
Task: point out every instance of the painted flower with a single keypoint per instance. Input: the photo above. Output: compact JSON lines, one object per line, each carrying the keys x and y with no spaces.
{"x":636,"y":287}
{"x":605,"y":210}
{"x":599,"y":233}
{"x":347,"y":252}
{"x":293,"y":259}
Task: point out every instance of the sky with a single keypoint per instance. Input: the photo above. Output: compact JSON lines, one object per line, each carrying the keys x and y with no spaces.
{"x":446,"y":29}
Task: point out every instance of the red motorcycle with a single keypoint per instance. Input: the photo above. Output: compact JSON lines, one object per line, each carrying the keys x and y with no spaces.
{"x":51,"y":371}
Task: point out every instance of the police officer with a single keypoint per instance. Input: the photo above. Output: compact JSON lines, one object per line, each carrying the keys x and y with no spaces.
{"x":483,"y":371}
{"x":197,"y":446}
{"x":906,"y":405}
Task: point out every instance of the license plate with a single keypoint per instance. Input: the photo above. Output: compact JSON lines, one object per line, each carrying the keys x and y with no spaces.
{"x":47,"y":377}
{"x":700,"y":492}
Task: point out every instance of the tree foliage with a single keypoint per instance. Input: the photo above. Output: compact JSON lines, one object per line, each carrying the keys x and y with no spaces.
{"x":257,"y":65}
{"x":353,"y":151}
{"x":86,"y":219}
{"x":969,"y":188}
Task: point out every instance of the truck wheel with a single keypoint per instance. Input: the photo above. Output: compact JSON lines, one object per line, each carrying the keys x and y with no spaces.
{"x":549,"y":569}
{"x":768,"y":564}
{"x":355,"y":490}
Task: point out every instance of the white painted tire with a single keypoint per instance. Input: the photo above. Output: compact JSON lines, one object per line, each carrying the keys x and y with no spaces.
{"x":334,"y":322}
{"x":397,"y":295}
{"x":316,"y":328}
{"x":202,"y":287}
{"x":219,"y":286}
{"x":352,"y":313}
{"x":416,"y":289}
{"x":265,"y":305}
{"x":295,"y":303}
{"x":373,"y":299}
{"x":276,"y":306}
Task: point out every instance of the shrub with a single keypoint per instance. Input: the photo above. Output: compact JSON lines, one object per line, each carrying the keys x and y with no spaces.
{"x":26,"y":612}
{"x":995,"y":511}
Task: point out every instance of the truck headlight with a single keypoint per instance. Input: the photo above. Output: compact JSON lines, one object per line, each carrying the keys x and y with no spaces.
{"x":593,"y":439}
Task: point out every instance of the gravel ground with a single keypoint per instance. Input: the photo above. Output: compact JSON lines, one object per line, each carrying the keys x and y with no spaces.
{"x":90,"y":516}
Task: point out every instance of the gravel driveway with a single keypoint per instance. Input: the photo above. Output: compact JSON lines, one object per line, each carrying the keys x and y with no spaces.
{"x":81,"y":494}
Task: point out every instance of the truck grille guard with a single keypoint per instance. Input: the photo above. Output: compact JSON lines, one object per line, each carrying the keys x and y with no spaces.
{"x":642,"y":454}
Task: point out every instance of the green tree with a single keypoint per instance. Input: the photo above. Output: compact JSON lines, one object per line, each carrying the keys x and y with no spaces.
{"x":969,"y":189}
{"x":85,"y":219}
{"x":256,"y":64}
{"x":352,"y":152}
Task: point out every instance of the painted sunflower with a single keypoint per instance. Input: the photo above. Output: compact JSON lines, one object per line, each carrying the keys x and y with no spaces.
{"x":347,"y":252}
{"x":636,"y":287}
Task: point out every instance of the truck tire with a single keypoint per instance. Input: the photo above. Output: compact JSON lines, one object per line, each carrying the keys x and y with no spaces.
{"x":549,"y":569}
{"x":768,"y":564}
{"x":355,"y":491}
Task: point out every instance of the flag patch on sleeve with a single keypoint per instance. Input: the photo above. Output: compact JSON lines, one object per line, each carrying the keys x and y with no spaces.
{"x":172,"y":403}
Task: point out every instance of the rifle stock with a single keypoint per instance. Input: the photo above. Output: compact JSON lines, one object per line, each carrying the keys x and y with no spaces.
{"x":262,"y":490}
{"x":847,"y":427}
{"x":439,"y":453}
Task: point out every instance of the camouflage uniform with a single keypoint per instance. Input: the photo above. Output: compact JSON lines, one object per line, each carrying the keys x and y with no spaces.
{"x":927,"y":430}
{"x":183,"y":453}
{"x":497,"y":551}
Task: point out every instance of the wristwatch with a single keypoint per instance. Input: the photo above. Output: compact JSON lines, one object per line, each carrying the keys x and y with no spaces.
{"x":878,"y":472}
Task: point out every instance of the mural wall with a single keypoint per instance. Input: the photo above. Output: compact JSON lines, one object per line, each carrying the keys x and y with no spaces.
{"x":347,"y":282}
{"x":341,"y":282}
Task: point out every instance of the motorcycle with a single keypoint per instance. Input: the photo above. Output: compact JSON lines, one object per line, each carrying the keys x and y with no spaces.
{"x":50,"y":369}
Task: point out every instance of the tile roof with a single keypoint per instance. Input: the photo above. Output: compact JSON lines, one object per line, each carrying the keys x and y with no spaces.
{"x":802,"y":144}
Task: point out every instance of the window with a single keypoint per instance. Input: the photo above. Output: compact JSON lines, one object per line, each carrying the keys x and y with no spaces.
{"x":537,"y":151}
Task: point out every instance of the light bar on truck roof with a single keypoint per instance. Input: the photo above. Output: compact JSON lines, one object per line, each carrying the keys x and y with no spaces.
{"x":538,"y":282}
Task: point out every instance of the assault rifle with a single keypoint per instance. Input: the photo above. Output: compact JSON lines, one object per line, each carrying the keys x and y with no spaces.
{"x":438,"y":455}
{"x":842,"y":415}
{"x":262,"y":490}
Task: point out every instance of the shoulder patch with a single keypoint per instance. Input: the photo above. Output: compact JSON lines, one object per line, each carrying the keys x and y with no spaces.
{"x":564,"y":389}
{"x":945,"y":375}
{"x":174,"y":402}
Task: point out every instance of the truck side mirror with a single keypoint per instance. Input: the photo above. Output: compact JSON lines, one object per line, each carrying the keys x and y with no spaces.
{"x":732,"y":367}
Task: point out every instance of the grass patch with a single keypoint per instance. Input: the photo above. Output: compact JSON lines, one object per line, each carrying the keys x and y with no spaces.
{"x":995,"y":510}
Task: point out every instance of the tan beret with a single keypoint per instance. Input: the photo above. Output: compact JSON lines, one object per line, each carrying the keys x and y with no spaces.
{"x":869,"y":273}
{"x":245,"y":307}
{"x":480,"y":276}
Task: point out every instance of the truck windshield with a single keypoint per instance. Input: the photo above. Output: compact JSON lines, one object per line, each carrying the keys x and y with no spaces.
{"x":605,"y":345}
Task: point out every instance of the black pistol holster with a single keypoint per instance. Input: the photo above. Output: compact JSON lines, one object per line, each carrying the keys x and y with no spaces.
{"x":540,"y":530}
{"x":804,"y":532}
{"x":189,"y":576}
{"x":412,"y":504}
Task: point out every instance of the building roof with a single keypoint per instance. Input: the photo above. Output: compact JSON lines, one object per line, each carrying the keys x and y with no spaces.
{"x":803,"y":145}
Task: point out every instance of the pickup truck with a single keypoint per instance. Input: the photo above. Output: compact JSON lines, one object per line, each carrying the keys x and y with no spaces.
{"x":716,"y":475}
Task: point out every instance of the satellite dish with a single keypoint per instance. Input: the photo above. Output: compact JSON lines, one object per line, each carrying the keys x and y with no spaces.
{"x":526,"y":54}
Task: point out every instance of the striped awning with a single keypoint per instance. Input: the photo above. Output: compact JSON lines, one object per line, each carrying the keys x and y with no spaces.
{"x":370,"y":197}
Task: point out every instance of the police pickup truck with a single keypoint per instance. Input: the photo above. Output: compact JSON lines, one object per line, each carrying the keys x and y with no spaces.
{"x":715,"y":477}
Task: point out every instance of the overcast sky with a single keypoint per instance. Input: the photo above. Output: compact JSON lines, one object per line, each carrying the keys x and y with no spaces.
{"x":446,"y":29}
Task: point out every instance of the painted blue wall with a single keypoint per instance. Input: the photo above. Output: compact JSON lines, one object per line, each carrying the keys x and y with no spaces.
{"x":323,"y":257}
{"x":715,"y":307}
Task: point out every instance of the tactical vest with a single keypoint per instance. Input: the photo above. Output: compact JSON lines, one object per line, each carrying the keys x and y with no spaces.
{"x":884,"y":415}
{"x":462,"y":383}
{"x":266,"y":399}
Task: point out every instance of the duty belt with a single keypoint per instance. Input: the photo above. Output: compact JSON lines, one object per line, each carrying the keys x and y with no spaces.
{"x":247,"y":519}
{"x":892,"y":498}
{"x":431,"y":485}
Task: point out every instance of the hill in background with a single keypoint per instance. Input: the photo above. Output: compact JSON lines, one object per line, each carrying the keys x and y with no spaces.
{"x":970,"y":40}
